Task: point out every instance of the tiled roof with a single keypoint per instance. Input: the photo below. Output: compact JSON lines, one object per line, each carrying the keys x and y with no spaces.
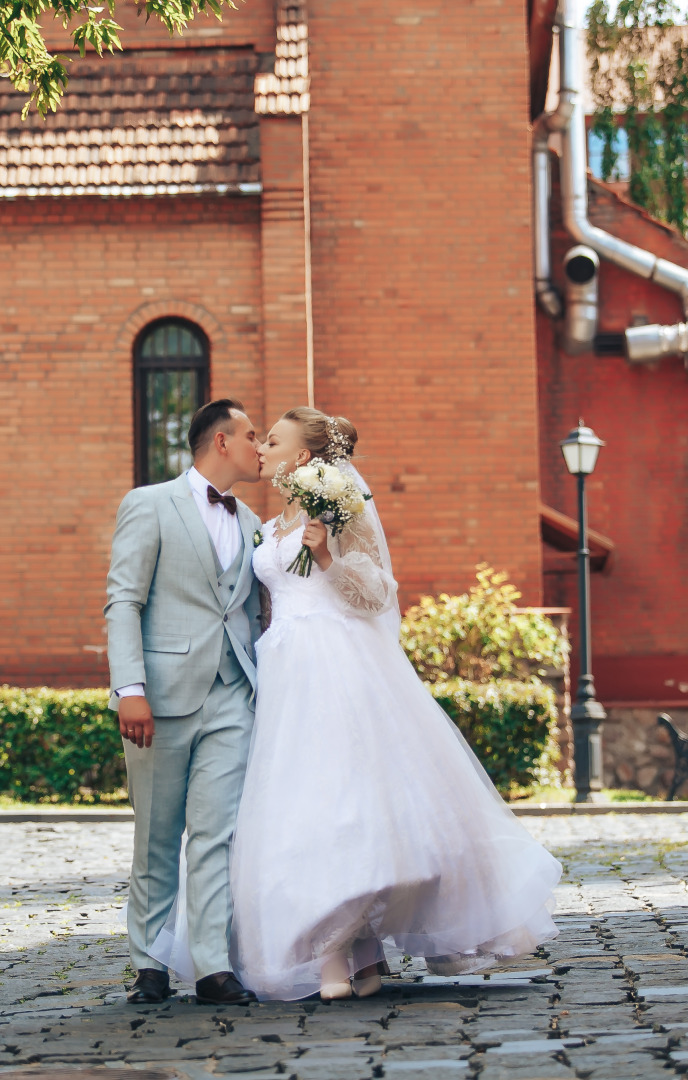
{"x":140,"y":122}
{"x":285,"y":90}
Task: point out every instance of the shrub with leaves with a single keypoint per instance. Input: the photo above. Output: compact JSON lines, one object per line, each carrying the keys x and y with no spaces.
{"x":511,"y":726}
{"x":483,"y":661}
{"x":59,"y":745}
{"x":481,"y":634}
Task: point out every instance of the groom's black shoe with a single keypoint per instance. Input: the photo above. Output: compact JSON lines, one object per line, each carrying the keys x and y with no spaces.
{"x":223,"y":988}
{"x":150,"y":987}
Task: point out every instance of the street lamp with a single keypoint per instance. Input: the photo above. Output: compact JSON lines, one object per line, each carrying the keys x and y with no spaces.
{"x":580,"y":449}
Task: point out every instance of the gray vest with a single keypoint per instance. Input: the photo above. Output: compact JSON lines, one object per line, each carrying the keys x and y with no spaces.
{"x":229,"y":668}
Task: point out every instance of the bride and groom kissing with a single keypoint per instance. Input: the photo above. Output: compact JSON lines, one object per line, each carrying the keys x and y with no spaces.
{"x":332,"y":812}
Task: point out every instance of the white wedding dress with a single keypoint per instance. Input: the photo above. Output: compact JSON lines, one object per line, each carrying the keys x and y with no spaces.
{"x":365,"y":816}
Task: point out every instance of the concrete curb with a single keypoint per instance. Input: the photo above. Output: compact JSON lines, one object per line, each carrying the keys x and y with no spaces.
{"x":587,"y":809}
{"x":51,"y":815}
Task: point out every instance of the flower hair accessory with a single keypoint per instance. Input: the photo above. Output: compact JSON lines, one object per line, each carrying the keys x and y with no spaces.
{"x":339,"y":446}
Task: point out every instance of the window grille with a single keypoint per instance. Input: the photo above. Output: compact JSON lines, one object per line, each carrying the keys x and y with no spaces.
{"x":171,"y":380}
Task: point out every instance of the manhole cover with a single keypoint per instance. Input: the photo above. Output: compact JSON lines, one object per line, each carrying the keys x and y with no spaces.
{"x":67,"y":1071}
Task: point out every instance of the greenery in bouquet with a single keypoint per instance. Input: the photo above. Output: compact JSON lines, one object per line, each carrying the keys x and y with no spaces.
{"x":325,"y":493}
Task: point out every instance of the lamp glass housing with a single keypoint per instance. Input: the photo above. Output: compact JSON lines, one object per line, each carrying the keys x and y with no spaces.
{"x":580,"y":449}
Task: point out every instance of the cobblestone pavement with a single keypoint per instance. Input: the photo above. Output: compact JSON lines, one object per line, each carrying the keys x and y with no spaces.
{"x":608,"y":998}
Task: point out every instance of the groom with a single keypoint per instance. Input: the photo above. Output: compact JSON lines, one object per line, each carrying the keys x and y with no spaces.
{"x":183,"y":616}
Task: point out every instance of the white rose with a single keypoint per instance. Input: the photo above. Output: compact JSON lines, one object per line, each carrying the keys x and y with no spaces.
{"x":306,"y":476}
{"x":334,"y":483}
{"x":355,"y":503}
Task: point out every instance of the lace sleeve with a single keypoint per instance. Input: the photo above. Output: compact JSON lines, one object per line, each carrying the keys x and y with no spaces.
{"x":357,"y":572}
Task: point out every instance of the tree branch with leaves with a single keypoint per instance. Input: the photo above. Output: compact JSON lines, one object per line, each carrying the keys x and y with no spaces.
{"x":42,"y":75}
{"x":638,"y":55}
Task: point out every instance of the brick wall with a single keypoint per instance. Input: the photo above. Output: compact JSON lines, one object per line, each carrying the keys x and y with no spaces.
{"x":637,"y":494}
{"x":423,"y":316}
{"x":283,"y":272}
{"x":86,"y":276}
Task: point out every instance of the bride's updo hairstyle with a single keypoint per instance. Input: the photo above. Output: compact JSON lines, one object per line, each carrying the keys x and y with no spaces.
{"x":327,"y":437}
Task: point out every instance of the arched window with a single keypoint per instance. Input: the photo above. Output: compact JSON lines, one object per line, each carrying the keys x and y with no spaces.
{"x":171,"y":362}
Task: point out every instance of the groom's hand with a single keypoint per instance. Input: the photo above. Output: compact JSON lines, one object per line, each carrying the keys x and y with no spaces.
{"x":136,"y":720}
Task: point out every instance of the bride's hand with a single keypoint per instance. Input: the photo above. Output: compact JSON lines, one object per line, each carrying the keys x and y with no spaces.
{"x":315,"y":538}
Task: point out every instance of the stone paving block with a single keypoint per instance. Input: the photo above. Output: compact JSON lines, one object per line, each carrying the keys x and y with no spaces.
{"x":617,"y":1066}
{"x":454,"y":1052}
{"x":189,"y":1070}
{"x":434,"y":1069}
{"x":665,"y":1013}
{"x":333,"y":1068}
{"x":597,"y":1022}
{"x":219,"y":1069}
{"x":545,"y":1070}
{"x":94,"y":1073}
{"x":252,"y":1057}
{"x":571,"y":997}
{"x":482,"y":1033}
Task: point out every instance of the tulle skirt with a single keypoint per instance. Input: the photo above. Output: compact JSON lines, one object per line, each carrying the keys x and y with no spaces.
{"x":366,"y":820}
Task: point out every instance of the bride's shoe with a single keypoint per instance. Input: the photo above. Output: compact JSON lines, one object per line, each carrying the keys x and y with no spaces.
{"x":365,"y":987}
{"x":335,"y":983}
{"x":367,"y":981}
{"x":335,"y":991}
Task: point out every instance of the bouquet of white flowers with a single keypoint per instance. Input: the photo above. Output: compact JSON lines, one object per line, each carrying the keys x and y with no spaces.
{"x":327,"y":495}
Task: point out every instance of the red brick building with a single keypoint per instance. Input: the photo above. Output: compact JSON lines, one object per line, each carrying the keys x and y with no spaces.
{"x":339,"y":200}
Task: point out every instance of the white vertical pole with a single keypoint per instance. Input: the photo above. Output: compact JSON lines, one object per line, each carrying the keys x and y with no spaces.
{"x":310,"y":379}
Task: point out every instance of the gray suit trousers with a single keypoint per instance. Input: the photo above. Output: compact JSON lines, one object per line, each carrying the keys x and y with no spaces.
{"x":191,"y":777}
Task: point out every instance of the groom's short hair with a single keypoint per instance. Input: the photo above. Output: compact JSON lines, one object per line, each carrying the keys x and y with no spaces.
{"x":209,"y":419}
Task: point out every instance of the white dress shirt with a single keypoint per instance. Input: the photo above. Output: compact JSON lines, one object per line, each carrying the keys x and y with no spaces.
{"x":225,"y":534}
{"x":223,"y":527}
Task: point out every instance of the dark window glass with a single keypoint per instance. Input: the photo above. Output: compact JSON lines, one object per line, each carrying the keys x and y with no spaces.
{"x":171,"y":361}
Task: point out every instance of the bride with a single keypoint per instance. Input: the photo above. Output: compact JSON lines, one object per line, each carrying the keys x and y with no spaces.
{"x":366,"y":820}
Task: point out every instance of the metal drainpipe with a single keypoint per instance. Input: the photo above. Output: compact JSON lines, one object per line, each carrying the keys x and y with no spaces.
{"x":643,"y":343}
{"x":581,"y":272}
{"x":545,"y":291}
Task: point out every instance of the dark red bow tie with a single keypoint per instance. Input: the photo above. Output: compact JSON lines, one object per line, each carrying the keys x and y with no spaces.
{"x":228,"y":501}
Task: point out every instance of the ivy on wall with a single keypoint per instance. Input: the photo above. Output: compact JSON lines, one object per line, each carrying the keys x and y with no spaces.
{"x":638,"y":54}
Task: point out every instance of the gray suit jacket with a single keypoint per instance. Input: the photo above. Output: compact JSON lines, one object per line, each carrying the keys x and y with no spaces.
{"x":167,"y":624}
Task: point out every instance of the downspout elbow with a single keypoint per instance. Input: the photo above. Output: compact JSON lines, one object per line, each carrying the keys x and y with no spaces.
{"x":645,"y":344}
{"x":548,"y":298}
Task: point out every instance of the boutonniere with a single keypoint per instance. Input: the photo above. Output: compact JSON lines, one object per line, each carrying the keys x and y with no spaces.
{"x":257,"y":538}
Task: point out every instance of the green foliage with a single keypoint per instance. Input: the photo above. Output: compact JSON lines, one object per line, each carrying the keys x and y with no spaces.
{"x":510,"y":725}
{"x":24,"y":57}
{"x":481,"y":635}
{"x":59,"y":745}
{"x":483,"y":660}
{"x":639,"y":67}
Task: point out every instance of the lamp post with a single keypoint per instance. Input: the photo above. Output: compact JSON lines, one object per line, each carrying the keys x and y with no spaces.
{"x":580,"y":449}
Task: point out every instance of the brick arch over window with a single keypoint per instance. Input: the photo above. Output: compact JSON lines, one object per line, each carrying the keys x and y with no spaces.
{"x":171,"y":358}
{"x":167,"y":309}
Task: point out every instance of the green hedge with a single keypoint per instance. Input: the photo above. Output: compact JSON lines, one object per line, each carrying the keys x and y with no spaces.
{"x":511,"y":726}
{"x":59,"y":745}
{"x":64,"y":745}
